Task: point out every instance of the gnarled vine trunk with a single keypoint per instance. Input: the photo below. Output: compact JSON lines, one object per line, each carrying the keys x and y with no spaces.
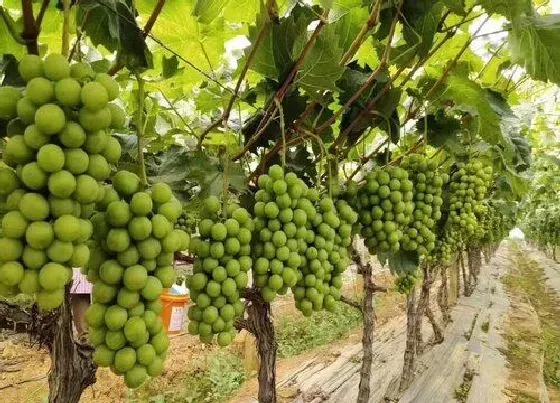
{"x":423,"y":302}
{"x":410,"y":351}
{"x":443,"y":296}
{"x":259,"y":323}
{"x":466,"y":282}
{"x":72,"y":368}
{"x":438,"y":331}
{"x":367,"y":335}
{"x":458,"y":274}
{"x":475,"y":263}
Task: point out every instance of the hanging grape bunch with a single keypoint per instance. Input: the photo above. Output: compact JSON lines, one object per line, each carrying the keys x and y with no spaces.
{"x":59,"y":151}
{"x":420,"y":236}
{"x":131,"y":265}
{"x":283,"y":214}
{"x":469,"y":186}
{"x":326,"y":257}
{"x":220,"y":270}
{"x":468,"y":189}
{"x":385,"y":205}
{"x":187,"y":222}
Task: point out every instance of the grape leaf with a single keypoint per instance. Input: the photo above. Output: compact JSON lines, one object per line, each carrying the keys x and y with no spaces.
{"x":242,"y":10}
{"x":282,"y":43}
{"x":508,"y":8}
{"x":208,"y":10}
{"x":442,"y":131}
{"x":7,"y":43}
{"x":193,"y":172}
{"x":112,"y":24}
{"x":468,"y":96}
{"x":534,"y":46}
{"x":339,"y":8}
{"x":321,"y":68}
{"x":170,"y":65}
{"x":401,"y":262}
{"x":421,"y":19}
{"x":381,"y":115}
{"x":9,"y":71}
{"x":455,"y":6}
{"x":348,"y":26}
{"x":178,"y":31}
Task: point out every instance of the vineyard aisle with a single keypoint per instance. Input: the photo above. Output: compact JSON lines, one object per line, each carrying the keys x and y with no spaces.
{"x":471,"y":365}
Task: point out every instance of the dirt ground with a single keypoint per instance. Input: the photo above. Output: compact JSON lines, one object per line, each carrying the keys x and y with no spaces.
{"x":493,"y":351}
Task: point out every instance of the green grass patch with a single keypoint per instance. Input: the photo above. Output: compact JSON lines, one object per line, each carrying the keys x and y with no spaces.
{"x":546,"y":302}
{"x":215,"y":380}
{"x":296,"y":334}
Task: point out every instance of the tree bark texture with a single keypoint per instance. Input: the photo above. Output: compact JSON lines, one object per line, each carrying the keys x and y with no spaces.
{"x":458,"y":274}
{"x":259,"y":323}
{"x":471,"y":275}
{"x":466,"y":285}
{"x":423,"y":302}
{"x":72,"y":368}
{"x":443,"y":296}
{"x":410,"y":351}
{"x":438,"y":331}
{"x":475,"y":260}
{"x":364,"y":390}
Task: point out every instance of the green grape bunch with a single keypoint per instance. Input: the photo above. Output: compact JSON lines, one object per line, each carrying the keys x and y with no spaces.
{"x":420,"y":236}
{"x":327,"y":256}
{"x":283,"y":214}
{"x":187,"y":222}
{"x":221,"y":270}
{"x":131,"y":264}
{"x":385,"y":206}
{"x":58,"y":153}
{"x":468,"y":188}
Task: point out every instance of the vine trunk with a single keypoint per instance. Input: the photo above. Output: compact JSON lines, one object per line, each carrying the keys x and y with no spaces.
{"x":367,"y":335}
{"x":72,"y":368}
{"x":259,"y":323}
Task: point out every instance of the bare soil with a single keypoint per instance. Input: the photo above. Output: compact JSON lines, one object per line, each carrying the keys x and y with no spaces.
{"x":493,"y":350}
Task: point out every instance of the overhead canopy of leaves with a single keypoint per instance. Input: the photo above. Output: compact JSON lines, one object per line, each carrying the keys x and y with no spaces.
{"x":112,"y":24}
{"x":534,"y":45}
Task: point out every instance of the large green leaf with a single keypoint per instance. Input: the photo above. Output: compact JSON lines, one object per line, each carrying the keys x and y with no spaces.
{"x":208,"y":10}
{"x":421,"y":19}
{"x":9,"y":71}
{"x":193,"y":172}
{"x":382,"y":115}
{"x":8,"y":44}
{"x":242,"y":11}
{"x":178,"y":30}
{"x":112,"y":24}
{"x":534,"y":42}
{"x":455,"y":6}
{"x":282,"y":44}
{"x":515,"y":148}
{"x":508,"y":8}
{"x":442,"y":131}
{"x":349,"y":25}
{"x":321,"y":68}
{"x":401,"y":262}
{"x":468,"y":96}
